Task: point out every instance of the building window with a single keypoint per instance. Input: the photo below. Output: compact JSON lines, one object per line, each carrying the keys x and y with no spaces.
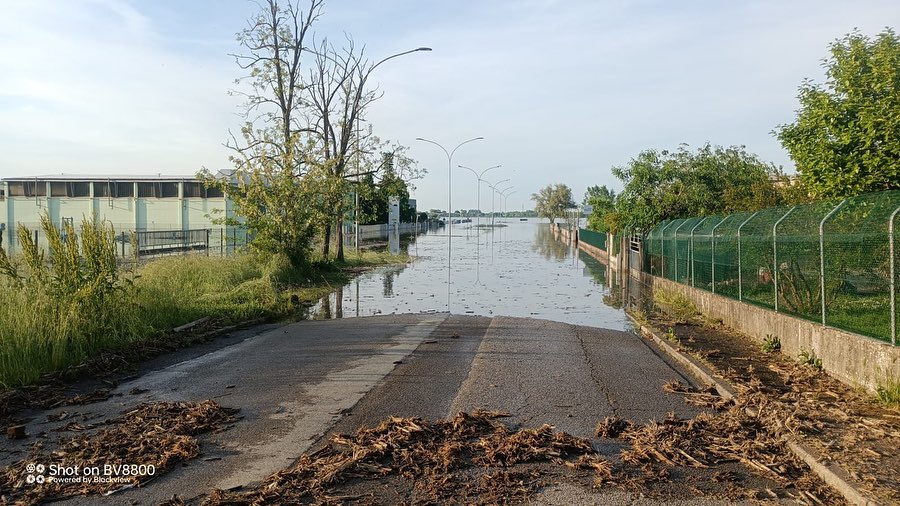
{"x":57,"y":189}
{"x":70,"y":189}
{"x":214,"y":193}
{"x":79,"y":189}
{"x":158,"y":189}
{"x":193,"y":190}
{"x":122,"y":189}
{"x":27,"y":189}
{"x":168,"y":190}
{"x":199,"y":190}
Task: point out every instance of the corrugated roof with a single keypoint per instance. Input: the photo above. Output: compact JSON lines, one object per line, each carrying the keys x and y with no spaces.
{"x":104,"y":177}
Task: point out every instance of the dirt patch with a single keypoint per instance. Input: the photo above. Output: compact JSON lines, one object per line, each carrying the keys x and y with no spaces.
{"x":158,"y":434}
{"x":844,"y":424}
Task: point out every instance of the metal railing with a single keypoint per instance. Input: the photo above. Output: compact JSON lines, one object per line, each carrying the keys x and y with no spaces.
{"x":833,"y":262}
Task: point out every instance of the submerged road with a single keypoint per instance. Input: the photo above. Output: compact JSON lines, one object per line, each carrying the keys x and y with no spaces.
{"x":298,"y":383}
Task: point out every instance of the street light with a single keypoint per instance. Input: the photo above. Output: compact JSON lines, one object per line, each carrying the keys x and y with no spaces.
{"x":502,"y":195}
{"x":479,"y":179}
{"x":494,"y":187}
{"x":357,"y":100}
{"x":449,"y":202}
{"x":504,"y":202}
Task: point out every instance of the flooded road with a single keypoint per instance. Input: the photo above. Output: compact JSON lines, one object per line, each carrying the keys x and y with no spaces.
{"x":517,"y":270}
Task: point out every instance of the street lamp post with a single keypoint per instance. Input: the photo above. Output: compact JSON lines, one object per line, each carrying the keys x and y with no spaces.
{"x":501,"y":194}
{"x":357,"y":100}
{"x":494,"y":187}
{"x":504,"y":202}
{"x":478,"y":180}
{"x":449,"y":203}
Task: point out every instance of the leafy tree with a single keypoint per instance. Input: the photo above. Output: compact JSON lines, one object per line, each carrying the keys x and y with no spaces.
{"x":552,"y":201}
{"x":603,"y":201}
{"x":846,"y":138}
{"x":661,"y":185}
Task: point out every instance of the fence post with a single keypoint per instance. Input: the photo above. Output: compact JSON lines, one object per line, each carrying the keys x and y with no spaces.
{"x":740,"y":270}
{"x":893,"y":277}
{"x":775,"y":252}
{"x":691,"y":252}
{"x":208,"y":231}
{"x":712,"y":260}
{"x":662,"y":254}
{"x":822,"y":255}
{"x":676,"y":248}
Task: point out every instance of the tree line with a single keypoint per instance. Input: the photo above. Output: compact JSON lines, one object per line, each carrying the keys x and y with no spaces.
{"x":844,"y":141}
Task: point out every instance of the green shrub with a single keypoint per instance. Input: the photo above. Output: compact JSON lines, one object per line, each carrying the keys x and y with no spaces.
{"x":675,"y":305}
{"x":771,"y":344}
{"x":809,"y":358}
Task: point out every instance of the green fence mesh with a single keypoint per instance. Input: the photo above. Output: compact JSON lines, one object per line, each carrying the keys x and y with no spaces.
{"x":833,"y":262}
{"x":595,"y":239}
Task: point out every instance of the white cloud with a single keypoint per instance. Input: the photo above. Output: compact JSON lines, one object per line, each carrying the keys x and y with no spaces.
{"x":561,"y":90}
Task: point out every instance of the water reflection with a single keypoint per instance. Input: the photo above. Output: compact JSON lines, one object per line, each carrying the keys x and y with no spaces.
{"x":548,"y":246}
{"x":516,"y":270}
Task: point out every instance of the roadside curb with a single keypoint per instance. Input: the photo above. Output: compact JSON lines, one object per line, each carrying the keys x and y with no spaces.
{"x":833,"y":475}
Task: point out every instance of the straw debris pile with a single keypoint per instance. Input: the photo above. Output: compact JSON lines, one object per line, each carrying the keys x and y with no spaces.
{"x":160,"y":434}
{"x":465,"y":459}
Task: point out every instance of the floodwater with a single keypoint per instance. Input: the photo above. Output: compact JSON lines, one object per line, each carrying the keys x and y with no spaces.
{"x":516,"y":270}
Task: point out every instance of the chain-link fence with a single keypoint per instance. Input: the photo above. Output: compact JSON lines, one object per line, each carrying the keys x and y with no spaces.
{"x":834,"y":262}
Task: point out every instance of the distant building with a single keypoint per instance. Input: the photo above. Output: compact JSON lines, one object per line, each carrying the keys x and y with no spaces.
{"x":128,"y":202}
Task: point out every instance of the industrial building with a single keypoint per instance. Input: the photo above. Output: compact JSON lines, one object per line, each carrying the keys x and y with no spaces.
{"x":168,"y":213}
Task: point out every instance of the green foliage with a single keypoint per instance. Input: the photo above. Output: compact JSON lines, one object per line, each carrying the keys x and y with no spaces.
{"x":771,"y":344}
{"x":603,"y":201}
{"x":809,"y":358}
{"x":552,"y":201}
{"x":671,"y":336}
{"x":889,"y":394}
{"x":58,"y":310}
{"x":675,"y":305}
{"x":661,"y":185}
{"x":846,"y":138}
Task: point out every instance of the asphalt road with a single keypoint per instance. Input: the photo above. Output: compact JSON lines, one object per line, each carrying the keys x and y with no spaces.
{"x":298,"y":383}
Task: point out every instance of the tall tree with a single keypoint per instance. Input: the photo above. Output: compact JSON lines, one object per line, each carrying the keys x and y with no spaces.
{"x":339,"y":96}
{"x":603,"y":201}
{"x":277,"y":180}
{"x":662,"y":185}
{"x":846,"y":137}
{"x":552,"y":201}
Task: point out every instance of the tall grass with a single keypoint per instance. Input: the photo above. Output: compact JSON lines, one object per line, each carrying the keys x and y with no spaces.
{"x":60,"y":310}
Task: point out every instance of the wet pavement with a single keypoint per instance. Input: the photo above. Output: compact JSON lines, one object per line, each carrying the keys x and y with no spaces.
{"x":517,"y":270}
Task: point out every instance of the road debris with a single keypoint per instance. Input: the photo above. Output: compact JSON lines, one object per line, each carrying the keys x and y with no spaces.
{"x":466,"y":459}
{"x":158,"y":434}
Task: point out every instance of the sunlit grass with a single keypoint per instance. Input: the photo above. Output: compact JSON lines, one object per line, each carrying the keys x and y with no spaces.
{"x":42,"y":332}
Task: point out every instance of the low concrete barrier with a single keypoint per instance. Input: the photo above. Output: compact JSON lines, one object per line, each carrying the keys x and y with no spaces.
{"x":852,"y":358}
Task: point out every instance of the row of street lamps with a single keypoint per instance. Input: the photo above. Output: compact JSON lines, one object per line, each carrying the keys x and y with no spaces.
{"x":479,"y":178}
{"x":478,"y":175}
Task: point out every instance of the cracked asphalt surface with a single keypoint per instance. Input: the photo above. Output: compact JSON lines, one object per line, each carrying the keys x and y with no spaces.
{"x":297,"y":384}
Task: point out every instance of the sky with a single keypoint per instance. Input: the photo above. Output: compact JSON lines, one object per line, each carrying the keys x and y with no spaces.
{"x":561,"y":90}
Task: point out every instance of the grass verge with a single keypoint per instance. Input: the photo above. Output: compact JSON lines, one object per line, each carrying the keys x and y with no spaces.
{"x":54,"y":318}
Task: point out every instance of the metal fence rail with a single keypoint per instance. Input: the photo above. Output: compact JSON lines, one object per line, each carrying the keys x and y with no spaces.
{"x":833,"y":262}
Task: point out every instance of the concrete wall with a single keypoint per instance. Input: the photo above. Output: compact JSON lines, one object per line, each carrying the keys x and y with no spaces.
{"x":852,"y":358}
